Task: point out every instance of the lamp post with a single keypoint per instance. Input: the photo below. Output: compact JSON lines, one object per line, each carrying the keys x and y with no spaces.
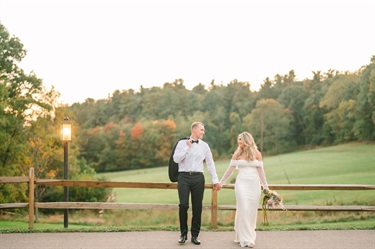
{"x":66,"y":137}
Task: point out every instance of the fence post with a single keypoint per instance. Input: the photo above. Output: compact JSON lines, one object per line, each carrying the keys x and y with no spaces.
{"x":31,"y":197}
{"x":214,"y":208}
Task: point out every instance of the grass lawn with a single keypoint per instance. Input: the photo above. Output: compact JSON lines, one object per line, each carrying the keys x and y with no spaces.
{"x":18,"y":226}
{"x":342,"y":164}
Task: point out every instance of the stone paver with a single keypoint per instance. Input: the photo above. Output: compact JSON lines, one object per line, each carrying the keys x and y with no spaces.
{"x":327,"y":239}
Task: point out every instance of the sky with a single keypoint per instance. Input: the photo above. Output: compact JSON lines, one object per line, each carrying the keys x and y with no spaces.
{"x":91,"y":48}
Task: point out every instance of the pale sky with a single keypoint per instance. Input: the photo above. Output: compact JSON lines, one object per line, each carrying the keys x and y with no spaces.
{"x":89,"y":49}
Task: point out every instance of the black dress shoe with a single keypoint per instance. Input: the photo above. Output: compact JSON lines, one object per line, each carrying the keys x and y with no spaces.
{"x":182,"y":239}
{"x":195,"y":240}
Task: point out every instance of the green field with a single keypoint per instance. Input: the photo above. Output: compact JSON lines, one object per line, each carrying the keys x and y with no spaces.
{"x":342,"y":164}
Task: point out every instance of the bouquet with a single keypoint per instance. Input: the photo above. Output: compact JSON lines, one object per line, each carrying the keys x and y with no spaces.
{"x":270,"y":199}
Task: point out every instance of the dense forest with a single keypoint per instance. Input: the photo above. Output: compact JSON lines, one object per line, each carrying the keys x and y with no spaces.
{"x":134,"y":129}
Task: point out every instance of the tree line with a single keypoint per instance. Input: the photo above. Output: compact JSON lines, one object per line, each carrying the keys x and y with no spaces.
{"x":134,"y":129}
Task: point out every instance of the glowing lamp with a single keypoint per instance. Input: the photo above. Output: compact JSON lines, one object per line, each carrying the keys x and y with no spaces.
{"x":66,"y":130}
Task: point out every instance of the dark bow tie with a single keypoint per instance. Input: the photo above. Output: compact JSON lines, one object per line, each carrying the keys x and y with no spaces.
{"x":194,"y":141}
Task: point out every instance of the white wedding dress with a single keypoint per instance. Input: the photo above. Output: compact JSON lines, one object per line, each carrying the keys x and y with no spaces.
{"x":248,"y":191}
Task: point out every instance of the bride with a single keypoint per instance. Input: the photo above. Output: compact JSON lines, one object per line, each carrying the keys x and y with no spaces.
{"x":248,"y":160}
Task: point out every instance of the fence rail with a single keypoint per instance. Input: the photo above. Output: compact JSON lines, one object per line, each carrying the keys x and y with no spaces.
{"x":214,"y":207}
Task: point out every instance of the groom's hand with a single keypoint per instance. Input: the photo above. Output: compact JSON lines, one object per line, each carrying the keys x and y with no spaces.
{"x":217,"y":186}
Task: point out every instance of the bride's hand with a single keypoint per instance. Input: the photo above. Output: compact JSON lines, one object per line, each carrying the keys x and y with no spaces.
{"x":217,"y":186}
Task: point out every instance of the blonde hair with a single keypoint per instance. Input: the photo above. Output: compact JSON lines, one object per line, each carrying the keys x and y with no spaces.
{"x":250,"y":147}
{"x":195,"y":124}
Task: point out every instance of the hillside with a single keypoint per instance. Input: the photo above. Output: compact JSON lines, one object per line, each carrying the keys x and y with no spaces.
{"x":342,"y":164}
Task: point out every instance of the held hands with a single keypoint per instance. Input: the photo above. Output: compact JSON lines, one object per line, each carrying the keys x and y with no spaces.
{"x":217,"y":186}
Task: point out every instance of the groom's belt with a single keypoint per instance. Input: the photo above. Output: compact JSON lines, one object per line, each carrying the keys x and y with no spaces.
{"x":190,"y":172}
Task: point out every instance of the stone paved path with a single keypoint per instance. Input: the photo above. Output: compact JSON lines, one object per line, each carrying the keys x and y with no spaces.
{"x":327,"y":239}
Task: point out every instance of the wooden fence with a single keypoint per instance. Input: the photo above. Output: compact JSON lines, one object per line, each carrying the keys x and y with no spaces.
{"x":214,"y":207}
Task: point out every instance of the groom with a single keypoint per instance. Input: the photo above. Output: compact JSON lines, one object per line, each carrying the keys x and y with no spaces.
{"x":189,"y":155}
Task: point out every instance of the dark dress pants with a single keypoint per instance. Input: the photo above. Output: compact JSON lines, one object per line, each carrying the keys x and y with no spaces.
{"x":190,"y":184}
